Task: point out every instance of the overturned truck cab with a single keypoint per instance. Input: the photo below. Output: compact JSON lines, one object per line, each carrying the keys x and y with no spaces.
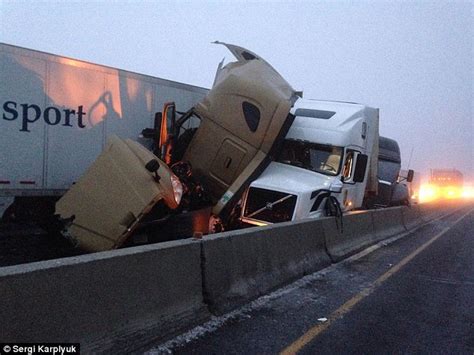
{"x":105,"y":206}
{"x":243,"y":121}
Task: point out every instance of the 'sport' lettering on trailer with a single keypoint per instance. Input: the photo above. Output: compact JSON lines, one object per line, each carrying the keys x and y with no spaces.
{"x":28,"y":114}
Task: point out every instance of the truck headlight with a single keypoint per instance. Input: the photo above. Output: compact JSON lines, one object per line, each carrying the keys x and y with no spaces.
{"x":177,"y":188}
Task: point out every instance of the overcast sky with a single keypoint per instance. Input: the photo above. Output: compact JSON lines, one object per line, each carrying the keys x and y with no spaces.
{"x":414,"y":60}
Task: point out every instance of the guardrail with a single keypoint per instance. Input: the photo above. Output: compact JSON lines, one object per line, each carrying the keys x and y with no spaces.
{"x":122,"y":300}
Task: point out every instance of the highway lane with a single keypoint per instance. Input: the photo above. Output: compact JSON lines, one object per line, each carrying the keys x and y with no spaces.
{"x":415,"y":295}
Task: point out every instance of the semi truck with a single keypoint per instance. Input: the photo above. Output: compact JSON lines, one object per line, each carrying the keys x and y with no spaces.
{"x":442,"y":184}
{"x":56,"y":115}
{"x":317,"y":155}
{"x":329,"y":157}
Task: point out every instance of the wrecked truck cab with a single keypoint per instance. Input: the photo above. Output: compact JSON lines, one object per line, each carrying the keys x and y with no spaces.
{"x":118,"y":189}
{"x":243,"y":120}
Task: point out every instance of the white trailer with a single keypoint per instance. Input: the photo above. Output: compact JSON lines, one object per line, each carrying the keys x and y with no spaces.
{"x":56,"y":114}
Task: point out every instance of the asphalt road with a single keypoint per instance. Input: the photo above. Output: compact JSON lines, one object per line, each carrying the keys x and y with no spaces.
{"x":414,"y":295}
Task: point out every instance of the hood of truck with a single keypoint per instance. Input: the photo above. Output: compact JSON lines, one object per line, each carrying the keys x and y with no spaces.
{"x":283,"y":193}
{"x":291,"y":179}
{"x":109,"y":200}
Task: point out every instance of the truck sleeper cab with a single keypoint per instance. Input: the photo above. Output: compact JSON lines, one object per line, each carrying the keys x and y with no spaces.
{"x":391,"y":190}
{"x":329,"y":150}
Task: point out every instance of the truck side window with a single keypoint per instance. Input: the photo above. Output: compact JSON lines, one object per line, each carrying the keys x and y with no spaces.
{"x":348,"y":165}
{"x":251,"y":114}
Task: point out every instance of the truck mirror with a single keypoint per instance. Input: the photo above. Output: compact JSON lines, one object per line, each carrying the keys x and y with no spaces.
{"x":360,"y":168}
{"x":152,"y":166}
{"x":154,"y":133}
{"x":410,"y":175}
{"x":148,"y":133}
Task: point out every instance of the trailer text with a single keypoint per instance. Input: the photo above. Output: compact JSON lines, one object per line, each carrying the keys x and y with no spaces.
{"x":30,"y":113}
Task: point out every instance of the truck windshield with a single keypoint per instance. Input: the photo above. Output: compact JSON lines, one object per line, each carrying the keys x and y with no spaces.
{"x":324,"y":159}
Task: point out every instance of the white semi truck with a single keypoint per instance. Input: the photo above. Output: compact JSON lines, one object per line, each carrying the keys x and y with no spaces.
{"x":57,"y":113}
{"x":329,"y":156}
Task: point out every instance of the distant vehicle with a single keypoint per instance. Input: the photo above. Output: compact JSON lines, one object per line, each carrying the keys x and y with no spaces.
{"x":443,"y":184}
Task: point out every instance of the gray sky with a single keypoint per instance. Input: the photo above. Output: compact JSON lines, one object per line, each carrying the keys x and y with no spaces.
{"x":414,"y":60}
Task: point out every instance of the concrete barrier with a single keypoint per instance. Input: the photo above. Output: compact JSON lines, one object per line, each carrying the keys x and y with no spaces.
{"x":110,"y":302}
{"x":119,"y":301}
{"x":357,"y":234}
{"x":412,"y":217}
{"x":240,"y":266}
{"x":388,"y":222}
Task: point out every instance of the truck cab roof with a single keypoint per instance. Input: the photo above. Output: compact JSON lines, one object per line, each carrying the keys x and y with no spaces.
{"x":330,"y":122}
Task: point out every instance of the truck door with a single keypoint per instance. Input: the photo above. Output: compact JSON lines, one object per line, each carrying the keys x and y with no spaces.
{"x":227,"y":161}
{"x":167,"y":135}
{"x":354,"y":186}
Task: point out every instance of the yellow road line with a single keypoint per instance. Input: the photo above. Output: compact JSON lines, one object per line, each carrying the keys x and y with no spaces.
{"x":346,"y":307}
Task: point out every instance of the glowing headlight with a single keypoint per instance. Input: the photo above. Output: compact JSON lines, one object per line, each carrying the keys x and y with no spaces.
{"x":468,"y":192}
{"x":428,"y":193}
{"x":177,"y":188}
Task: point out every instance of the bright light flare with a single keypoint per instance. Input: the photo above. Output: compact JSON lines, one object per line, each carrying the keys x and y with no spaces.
{"x":451,"y":192}
{"x":468,"y":192}
{"x":430,"y":192}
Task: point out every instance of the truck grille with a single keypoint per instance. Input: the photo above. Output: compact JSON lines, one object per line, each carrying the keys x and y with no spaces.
{"x":269,"y":206}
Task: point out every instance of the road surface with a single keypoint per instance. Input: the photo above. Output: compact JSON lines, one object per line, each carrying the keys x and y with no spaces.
{"x":414,"y":295}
